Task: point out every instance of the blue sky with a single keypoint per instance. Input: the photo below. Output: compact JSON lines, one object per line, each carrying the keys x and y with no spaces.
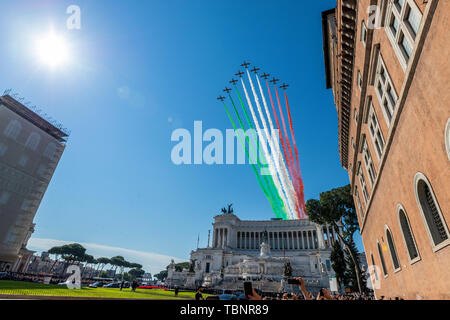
{"x":137,"y":71}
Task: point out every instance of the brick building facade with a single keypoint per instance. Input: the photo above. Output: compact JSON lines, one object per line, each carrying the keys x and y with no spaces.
{"x":387,"y":62}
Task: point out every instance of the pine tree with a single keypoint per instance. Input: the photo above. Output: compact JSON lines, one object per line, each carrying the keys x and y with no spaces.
{"x":338,"y":262}
{"x":350,"y":279}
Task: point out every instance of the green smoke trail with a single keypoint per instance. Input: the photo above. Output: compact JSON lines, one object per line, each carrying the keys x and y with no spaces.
{"x":280,"y":212}
{"x":272,"y":184}
{"x":263,"y":184}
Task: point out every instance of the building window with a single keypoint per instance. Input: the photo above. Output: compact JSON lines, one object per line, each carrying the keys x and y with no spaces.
{"x":359,"y":80}
{"x":3,"y":149}
{"x":50,"y":150}
{"x":383,"y":264}
{"x":4,"y":197}
{"x":408,"y":237}
{"x":385,"y":90}
{"x":373,"y":264}
{"x":358,"y":202}
{"x":353,"y":143}
{"x":392,"y":249}
{"x":362,"y":181}
{"x":23,"y":160}
{"x":368,"y":161}
{"x":375,"y":132}
{"x":13,"y":129}
{"x":363,"y":36}
{"x":447,"y":138}
{"x":431,"y":212}
{"x":404,"y":21}
{"x":33,"y":141}
{"x":355,"y":115}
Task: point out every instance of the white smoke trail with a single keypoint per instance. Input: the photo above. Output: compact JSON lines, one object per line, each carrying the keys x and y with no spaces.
{"x":266,"y":154}
{"x":274,"y":163}
{"x":277,"y":152}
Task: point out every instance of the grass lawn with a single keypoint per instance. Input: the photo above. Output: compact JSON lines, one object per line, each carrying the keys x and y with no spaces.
{"x":39,"y":289}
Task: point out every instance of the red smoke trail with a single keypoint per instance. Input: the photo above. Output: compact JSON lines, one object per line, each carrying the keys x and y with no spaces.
{"x":283,"y":144}
{"x":292,"y":168}
{"x":299,"y":175}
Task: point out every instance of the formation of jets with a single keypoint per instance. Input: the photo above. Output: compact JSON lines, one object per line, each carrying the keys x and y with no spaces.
{"x":255,"y":70}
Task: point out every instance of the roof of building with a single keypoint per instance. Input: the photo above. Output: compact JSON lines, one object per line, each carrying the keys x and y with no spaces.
{"x":325,"y":15}
{"x":346,"y":22}
{"x":58,"y":133}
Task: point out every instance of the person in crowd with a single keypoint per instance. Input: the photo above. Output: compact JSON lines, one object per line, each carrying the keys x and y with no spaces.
{"x":198,"y":295}
{"x":122,"y":283}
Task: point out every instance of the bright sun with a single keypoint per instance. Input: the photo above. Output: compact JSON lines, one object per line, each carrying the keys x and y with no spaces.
{"x":52,"y":50}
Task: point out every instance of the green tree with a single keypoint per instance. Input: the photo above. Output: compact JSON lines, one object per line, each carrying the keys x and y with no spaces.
{"x":136,"y":273}
{"x":338,"y":262}
{"x":336,"y":207}
{"x":71,"y":254}
{"x":162,"y":275}
{"x":117,"y":262}
{"x":350,"y":275}
{"x":57,"y":252}
{"x":102,"y":262}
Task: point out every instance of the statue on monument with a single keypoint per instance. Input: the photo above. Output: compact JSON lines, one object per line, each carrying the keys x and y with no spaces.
{"x":265,"y":237}
{"x":229,"y":210}
{"x":287,"y":269}
{"x":192,"y":265}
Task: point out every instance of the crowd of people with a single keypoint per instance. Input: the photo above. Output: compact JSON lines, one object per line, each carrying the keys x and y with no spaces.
{"x":30,"y":277}
{"x":323,"y":294}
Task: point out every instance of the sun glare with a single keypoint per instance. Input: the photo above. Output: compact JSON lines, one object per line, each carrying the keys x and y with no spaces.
{"x":52,"y":50}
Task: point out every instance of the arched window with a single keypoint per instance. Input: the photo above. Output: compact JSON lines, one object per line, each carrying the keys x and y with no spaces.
{"x":50,"y":150}
{"x":408,"y":236}
{"x":392,"y":250}
{"x":383,"y":264}
{"x":13,"y":129}
{"x":33,"y":141}
{"x":431,"y":213}
{"x":373,"y":264}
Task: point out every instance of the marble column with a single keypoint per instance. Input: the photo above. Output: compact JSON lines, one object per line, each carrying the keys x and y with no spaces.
{"x":320,"y":237}
{"x":307,"y":239}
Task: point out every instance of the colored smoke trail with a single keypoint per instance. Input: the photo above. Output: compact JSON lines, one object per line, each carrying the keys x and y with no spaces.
{"x":283,"y":186}
{"x":299,"y":176}
{"x":251,"y":126}
{"x":275,"y":198}
{"x":292,"y":168}
{"x":258,"y":177}
{"x":279,"y":161}
{"x":267,"y":155}
{"x":273,"y":162}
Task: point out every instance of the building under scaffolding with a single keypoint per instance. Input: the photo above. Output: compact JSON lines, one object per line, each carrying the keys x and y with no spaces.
{"x":30,"y":149}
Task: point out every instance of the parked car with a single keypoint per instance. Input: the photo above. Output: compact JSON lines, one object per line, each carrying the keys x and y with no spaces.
{"x":96,"y":285}
{"x":112,"y":285}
